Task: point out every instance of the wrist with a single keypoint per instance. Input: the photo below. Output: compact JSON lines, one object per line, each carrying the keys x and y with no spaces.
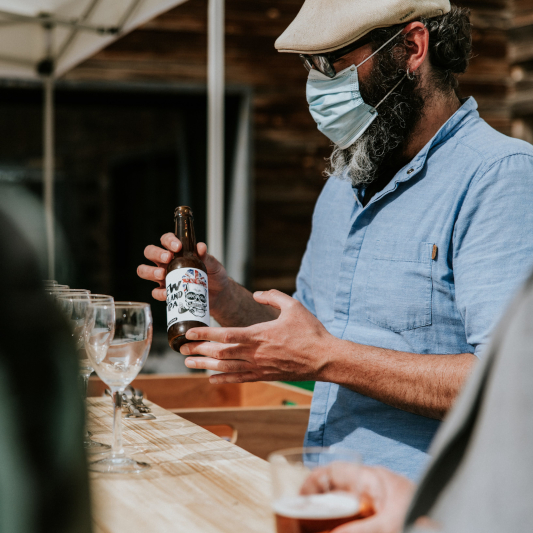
{"x":221,"y":296}
{"x":332,"y":350}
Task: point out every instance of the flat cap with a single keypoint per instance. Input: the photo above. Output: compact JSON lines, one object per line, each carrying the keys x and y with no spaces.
{"x":322,"y":26}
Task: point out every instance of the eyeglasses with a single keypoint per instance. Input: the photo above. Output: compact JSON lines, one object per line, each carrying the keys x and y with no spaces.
{"x":324,"y":62}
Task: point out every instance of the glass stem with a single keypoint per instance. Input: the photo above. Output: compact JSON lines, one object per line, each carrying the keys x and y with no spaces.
{"x":85,"y":379}
{"x":85,"y":385}
{"x":117,"y":449}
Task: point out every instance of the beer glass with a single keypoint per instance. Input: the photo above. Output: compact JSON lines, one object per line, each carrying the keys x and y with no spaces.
{"x":300,"y":510}
{"x":117,"y":366}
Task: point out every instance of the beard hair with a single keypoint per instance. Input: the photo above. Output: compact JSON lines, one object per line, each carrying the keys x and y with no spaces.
{"x":379,"y":151}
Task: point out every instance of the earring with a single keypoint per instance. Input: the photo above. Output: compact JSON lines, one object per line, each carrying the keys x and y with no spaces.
{"x":410,"y":75}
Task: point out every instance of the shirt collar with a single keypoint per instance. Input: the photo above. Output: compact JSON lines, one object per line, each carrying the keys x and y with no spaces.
{"x":464,"y":114}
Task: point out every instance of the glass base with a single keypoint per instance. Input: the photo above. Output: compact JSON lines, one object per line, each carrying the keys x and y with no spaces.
{"x":118,"y":465}
{"x":92,"y":446}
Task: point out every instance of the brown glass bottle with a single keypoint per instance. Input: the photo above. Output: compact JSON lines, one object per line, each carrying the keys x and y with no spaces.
{"x":186,"y":283}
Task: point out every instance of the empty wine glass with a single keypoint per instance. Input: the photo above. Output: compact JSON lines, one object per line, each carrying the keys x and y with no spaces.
{"x":117,"y":367}
{"x":51,"y":289}
{"x":56,"y":290}
{"x":74,"y":304}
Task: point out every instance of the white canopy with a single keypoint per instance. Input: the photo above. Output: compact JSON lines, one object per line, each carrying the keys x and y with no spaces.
{"x":46,"y":38}
{"x":66,"y":31}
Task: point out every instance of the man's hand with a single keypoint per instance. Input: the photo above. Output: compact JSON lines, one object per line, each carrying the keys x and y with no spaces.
{"x":293,"y":347}
{"x":218,"y":279}
{"x":387,"y":493}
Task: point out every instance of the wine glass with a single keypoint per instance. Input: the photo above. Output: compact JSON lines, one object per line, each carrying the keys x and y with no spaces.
{"x":74,"y":303}
{"x":50,"y":289}
{"x":56,"y":290}
{"x":117,"y":367}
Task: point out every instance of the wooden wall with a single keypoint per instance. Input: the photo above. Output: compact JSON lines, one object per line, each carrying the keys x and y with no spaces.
{"x":288,"y":150}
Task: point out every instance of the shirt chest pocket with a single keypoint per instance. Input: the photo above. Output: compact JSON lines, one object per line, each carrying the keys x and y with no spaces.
{"x":399,"y":286}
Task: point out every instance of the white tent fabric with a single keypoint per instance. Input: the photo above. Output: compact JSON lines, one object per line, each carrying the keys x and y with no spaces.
{"x":45,"y":38}
{"x":79,"y":28}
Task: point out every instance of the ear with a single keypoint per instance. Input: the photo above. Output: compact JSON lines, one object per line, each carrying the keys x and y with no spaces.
{"x":416,"y":39}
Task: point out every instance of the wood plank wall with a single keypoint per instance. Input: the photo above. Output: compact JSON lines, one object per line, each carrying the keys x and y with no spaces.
{"x":288,"y":150}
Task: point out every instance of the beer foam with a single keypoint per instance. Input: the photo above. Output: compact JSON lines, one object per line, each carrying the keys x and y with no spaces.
{"x":318,"y":506}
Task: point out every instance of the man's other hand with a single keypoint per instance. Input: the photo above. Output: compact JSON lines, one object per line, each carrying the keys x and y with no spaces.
{"x":293,"y":347}
{"x":218,"y":279}
{"x":377,"y":488}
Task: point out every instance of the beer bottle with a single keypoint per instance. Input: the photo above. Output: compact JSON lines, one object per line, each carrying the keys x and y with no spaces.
{"x":186,"y":284}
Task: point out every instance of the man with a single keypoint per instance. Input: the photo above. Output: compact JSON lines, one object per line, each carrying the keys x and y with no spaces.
{"x":419,"y":237}
{"x":479,"y":479}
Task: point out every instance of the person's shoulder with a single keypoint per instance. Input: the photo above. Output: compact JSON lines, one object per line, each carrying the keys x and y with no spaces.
{"x":491,"y":146}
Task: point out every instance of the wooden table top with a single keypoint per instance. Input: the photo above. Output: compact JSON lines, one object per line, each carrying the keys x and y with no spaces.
{"x":197,"y":483}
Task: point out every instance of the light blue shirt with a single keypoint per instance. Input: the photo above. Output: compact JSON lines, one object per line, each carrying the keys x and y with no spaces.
{"x":369,"y":274}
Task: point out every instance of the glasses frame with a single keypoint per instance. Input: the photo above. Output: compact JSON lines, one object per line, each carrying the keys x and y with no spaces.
{"x":324,"y":63}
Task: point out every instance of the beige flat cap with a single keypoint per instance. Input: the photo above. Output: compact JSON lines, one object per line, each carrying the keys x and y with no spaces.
{"x":322,"y":26}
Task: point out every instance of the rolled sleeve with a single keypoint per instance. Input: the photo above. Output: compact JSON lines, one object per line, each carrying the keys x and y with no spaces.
{"x":304,"y":293}
{"x":493,"y":244}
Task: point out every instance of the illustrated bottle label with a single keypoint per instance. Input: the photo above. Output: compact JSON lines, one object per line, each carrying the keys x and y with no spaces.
{"x":187,"y":296}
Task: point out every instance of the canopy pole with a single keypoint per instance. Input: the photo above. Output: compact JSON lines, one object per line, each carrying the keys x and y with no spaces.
{"x":215,"y":128}
{"x":48,"y":136}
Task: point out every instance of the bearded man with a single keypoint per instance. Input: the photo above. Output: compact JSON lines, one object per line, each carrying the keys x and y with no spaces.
{"x":420,"y":236}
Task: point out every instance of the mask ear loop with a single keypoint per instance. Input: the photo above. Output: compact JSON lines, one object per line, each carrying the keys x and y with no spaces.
{"x":391,"y":91}
{"x":382,"y":46}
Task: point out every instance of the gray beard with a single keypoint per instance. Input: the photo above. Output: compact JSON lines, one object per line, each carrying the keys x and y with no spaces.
{"x":360,"y":163}
{"x":378,"y":152}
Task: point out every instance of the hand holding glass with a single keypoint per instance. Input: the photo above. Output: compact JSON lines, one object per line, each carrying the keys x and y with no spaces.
{"x":304,"y":501}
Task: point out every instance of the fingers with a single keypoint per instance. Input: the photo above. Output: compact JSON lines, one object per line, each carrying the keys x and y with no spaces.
{"x":208,"y":363}
{"x":158,"y":255}
{"x":224,"y":335}
{"x":275,"y":298}
{"x":160,"y":294}
{"x":244,"y":377}
{"x":201,"y":248}
{"x":216,"y":350}
{"x":336,"y":476}
{"x":171,"y":242}
{"x":151,"y":273}
{"x":366,"y":525}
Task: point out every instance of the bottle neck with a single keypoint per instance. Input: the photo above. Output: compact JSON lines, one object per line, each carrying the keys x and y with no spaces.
{"x":185,"y":233}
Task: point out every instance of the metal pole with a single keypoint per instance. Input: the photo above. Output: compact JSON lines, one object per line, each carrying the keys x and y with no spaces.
{"x":215,"y":127}
{"x":238,"y":234}
{"x":48,"y":135}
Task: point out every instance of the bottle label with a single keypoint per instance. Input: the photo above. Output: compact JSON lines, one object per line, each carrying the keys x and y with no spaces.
{"x":187,"y":296}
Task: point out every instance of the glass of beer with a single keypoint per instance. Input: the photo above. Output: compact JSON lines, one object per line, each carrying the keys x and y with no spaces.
{"x":298,"y":505}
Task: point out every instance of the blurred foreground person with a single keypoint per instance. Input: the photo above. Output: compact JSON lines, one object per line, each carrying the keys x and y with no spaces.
{"x":480,"y":478}
{"x":43,"y":474}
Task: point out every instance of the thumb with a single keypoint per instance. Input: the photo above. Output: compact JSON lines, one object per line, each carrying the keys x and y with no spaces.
{"x":274,"y":298}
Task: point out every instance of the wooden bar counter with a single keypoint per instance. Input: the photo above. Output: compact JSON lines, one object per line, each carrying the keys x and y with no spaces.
{"x":198,"y":483}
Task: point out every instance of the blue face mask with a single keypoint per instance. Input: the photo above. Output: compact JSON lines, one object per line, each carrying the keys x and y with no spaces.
{"x":337,"y":106}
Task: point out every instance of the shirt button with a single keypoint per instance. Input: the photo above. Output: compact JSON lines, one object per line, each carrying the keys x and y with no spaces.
{"x":410,"y":171}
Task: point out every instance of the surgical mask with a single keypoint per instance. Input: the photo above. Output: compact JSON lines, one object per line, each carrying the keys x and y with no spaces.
{"x":337,"y":106}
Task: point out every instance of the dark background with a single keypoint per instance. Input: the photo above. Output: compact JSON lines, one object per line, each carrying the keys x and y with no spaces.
{"x":125,"y":160}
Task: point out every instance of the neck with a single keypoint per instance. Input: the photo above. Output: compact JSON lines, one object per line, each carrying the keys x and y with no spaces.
{"x":437,"y":111}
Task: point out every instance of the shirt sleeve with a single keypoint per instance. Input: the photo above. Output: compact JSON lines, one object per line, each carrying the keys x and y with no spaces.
{"x":493,"y":244}
{"x":304,"y":293}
